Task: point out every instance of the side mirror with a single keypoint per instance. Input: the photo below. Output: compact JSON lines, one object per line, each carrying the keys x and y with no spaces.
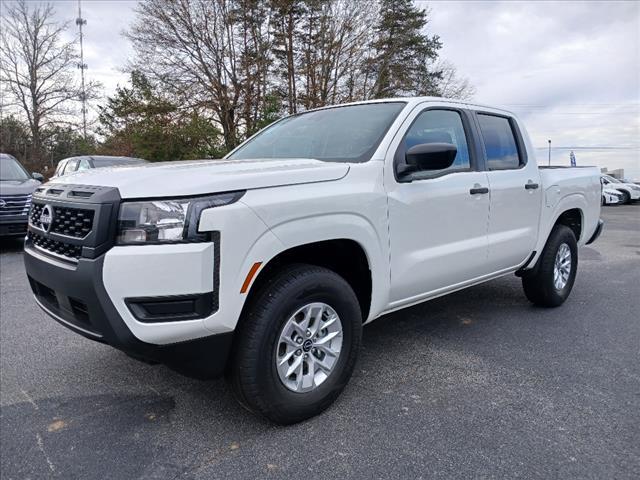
{"x":38,"y":176}
{"x":431,"y":156}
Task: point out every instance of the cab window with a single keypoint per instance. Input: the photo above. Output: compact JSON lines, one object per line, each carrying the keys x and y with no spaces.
{"x":500,"y":145}
{"x":437,"y":126}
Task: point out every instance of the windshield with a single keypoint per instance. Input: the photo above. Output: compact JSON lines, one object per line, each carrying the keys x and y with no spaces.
{"x":612,"y":180}
{"x":10,"y":169}
{"x":340,"y":134}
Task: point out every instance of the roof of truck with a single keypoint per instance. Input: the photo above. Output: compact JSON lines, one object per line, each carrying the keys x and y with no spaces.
{"x":416,"y":100}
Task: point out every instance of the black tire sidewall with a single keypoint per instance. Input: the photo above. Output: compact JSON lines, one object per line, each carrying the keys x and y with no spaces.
{"x":313,"y":285}
{"x":562,"y":235}
{"x":626,"y":197}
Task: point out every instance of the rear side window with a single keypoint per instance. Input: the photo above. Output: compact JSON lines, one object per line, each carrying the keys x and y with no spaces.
{"x":500,"y":144}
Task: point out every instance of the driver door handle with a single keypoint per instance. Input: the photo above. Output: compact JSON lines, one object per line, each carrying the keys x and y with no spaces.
{"x":530,"y":185}
{"x":478,"y":190}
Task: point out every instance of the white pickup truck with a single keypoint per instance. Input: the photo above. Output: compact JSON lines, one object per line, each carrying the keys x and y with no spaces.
{"x":265,"y":265}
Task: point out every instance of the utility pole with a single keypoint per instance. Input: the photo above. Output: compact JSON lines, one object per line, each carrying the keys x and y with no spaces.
{"x":549,"y":152}
{"x":82,"y":66}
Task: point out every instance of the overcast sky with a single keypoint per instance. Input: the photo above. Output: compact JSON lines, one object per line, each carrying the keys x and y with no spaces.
{"x":570,"y":70}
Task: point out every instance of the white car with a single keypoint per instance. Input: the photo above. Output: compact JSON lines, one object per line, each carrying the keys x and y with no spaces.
{"x":630,"y":191}
{"x":266,"y":265}
{"x":611,"y":196}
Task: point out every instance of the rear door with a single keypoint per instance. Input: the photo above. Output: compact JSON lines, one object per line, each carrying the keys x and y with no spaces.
{"x":437,"y":219}
{"x":515,"y":191}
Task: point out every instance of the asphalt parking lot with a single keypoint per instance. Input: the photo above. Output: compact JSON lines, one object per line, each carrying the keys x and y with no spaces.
{"x":477,"y":384}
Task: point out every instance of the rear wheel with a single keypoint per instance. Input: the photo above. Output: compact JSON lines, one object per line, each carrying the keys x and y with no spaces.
{"x":555,"y":272}
{"x":297,"y":344}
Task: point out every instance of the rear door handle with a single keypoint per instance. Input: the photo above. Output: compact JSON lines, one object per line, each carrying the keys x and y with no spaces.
{"x":478,"y":190}
{"x":531,"y":186}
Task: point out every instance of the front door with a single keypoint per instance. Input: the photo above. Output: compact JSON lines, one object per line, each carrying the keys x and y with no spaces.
{"x":438,"y":219}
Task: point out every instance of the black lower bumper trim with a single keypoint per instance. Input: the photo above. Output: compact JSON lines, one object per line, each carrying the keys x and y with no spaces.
{"x":74,"y":295}
{"x":174,"y":308}
{"x":13,"y":229}
{"x":597,"y":233}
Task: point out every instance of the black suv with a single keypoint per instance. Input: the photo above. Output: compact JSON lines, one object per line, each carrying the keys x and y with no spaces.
{"x":16,"y":187}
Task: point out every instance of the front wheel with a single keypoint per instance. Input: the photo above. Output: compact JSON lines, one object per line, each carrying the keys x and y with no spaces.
{"x":555,"y":272}
{"x":297,"y":344}
{"x":626,"y":197}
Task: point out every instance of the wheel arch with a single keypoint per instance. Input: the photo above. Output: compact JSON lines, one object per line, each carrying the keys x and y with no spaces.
{"x":570,"y":214}
{"x":572,"y":218}
{"x":347,"y":257}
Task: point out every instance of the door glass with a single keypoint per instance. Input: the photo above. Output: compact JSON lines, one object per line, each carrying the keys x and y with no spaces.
{"x":71,"y":166}
{"x":438,"y":126}
{"x":60,"y":168}
{"x":499,"y":142}
{"x":84,"y":164}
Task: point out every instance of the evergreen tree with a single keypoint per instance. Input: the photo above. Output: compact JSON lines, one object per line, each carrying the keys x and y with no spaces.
{"x":403,"y":53}
{"x":140,"y":121}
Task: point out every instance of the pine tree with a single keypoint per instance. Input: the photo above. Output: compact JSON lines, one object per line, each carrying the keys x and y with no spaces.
{"x":403,"y":52}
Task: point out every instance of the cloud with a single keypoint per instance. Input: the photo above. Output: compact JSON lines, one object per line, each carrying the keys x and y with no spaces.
{"x":106,"y":51}
{"x":568,"y":69}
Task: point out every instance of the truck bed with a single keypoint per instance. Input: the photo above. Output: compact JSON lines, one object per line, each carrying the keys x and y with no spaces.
{"x":578,"y":183}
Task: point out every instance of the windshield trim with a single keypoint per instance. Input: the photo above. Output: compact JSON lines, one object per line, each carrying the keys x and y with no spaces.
{"x":365,"y":157}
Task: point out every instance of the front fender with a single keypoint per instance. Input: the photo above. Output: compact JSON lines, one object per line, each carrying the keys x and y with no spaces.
{"x":342,"y":226}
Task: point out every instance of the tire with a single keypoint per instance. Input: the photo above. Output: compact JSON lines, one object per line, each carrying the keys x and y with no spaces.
{"x":540,"y":287}
{"x":254,"y":376}
{"x":603,"y":202}
{"x":626,"y":197}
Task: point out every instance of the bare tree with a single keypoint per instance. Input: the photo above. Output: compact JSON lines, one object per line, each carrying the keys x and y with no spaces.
{"x":450,"y":85}
{"x":242,"y":62}
{"x":285,"y":23}
{"x":333,"y":44}
{"x":210,"y":54}
{"x":37,"y":69}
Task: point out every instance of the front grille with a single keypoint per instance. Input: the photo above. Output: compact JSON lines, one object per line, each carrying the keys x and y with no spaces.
{"x":72,"y":252}
{"x":72,"y":222}
{"x":14,"y":205}
{"x":82,"y":220}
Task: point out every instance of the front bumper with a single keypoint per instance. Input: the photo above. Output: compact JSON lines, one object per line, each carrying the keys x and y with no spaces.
{"x":13,"y":226}
{"x":75,"y":295}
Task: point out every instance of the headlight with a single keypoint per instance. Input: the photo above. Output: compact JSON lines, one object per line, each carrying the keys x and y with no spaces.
{"x":167,"y":220}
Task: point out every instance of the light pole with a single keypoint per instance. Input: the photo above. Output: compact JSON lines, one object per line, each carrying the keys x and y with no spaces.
{"x":549,"y":152}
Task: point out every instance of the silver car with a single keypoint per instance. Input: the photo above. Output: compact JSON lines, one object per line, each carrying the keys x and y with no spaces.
{"x":85,"y":162}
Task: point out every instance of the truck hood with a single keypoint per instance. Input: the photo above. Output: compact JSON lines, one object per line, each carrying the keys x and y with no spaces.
{"x":201,"y":177}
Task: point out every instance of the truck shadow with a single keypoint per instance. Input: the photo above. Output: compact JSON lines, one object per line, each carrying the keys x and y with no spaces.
{"x":134,"y":435}
{"x":11,"y":244}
